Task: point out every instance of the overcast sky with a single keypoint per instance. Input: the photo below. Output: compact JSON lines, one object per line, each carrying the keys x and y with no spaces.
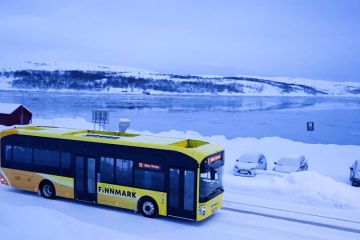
{"x":308,"y":38}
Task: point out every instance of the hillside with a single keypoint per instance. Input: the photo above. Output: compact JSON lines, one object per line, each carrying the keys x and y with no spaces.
{"x":100,"y":78}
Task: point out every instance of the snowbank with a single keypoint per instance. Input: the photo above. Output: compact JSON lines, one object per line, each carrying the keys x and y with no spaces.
{"x":308,"y":188}
{"x":77,"y":122}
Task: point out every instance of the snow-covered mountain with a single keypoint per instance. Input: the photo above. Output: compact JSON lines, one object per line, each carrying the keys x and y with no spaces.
{"x":53,"y":76}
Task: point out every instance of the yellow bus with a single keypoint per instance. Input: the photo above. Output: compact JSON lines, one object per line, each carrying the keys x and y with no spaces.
{"x":150,"y":174}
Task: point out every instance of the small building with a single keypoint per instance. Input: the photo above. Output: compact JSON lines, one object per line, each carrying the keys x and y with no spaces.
{"x":14,"y":114}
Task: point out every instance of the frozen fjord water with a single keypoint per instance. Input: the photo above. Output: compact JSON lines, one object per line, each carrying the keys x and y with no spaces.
{"x":337,"y":120}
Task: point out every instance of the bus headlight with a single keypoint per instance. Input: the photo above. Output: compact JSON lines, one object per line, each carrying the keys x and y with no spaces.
{"x":202,"y":210}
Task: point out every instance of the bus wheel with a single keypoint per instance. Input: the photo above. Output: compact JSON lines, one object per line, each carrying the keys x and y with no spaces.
{"x":47,"y":190}
{"x":149,"y":208}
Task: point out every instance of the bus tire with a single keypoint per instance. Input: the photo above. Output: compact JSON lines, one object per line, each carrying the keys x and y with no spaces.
{"x":148,"y":207}
{"x":47,"y":189}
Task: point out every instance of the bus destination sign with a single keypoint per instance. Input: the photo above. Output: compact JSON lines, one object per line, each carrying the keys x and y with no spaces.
{"x":150,"y":166}
{"x":214,"y":158}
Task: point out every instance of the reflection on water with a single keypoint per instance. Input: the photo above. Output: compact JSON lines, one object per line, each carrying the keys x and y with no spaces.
{"x":336,"y":119}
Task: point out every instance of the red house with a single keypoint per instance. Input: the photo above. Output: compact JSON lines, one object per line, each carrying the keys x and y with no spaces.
{"x":14,"y":114}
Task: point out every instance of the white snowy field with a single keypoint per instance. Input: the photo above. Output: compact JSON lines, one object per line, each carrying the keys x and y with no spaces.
{"x":323,"y":191}
{"x":26,"y":215}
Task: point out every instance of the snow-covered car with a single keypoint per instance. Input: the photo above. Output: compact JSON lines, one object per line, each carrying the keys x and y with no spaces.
{"x":291,"y":164}
{"x":355,"y":174}
{"x":247,"y":164}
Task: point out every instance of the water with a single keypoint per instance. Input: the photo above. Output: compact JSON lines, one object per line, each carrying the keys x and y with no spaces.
{"x":337,"y":120}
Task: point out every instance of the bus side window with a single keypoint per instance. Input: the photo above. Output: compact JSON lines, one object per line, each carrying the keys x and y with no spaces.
{"x":124,"y":172}
{"x":107,"y":170}
{"x":65,"y":160}
{"x":23,"y":154}
{"x":46,"y":158}
{"x":8,"y":153}
{"x":152,"y":180}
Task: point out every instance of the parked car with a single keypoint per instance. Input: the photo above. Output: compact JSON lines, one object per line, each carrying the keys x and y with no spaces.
{"x":355,"y":174}
{"x":247,"y":164}
{"x":291,"y":164}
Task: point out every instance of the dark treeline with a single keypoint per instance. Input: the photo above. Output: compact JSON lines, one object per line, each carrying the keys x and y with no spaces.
{"x":103,"y":81}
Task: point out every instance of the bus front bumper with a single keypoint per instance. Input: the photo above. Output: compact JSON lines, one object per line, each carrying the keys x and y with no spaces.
{"x":208,"y":208}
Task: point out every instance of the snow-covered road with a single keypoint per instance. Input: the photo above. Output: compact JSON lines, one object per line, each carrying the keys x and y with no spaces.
{"x":297,"y":217}
{"x":26,"y":215}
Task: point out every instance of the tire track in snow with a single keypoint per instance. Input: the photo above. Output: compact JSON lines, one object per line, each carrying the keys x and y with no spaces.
{"x":346,"y":229}
{"x":289,"y":211}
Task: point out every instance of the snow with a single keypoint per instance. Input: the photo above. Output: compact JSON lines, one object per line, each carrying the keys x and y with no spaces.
{"x":322,"y":193}
{"x":76,"y":122}
{"x":327,"y":86}
{"x":250,"y":157}
{"x":35,"y":64}
{"x":303,"y":188}
{"x":57,"y":224}
{"x":26,"y":215}
{"x":291,"y":161}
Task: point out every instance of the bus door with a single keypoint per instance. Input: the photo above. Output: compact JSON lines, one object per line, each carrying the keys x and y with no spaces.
{"x":182,"y":193}
{"x":85,"y":178}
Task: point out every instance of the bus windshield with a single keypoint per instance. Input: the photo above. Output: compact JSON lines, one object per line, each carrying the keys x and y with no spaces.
{"x":211,"y":184}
